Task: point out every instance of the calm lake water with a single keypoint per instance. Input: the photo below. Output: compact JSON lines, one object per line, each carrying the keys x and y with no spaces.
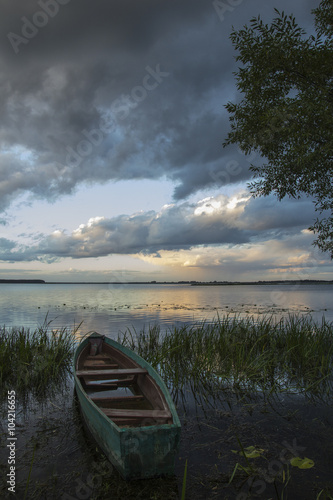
{"x":112,"y":308}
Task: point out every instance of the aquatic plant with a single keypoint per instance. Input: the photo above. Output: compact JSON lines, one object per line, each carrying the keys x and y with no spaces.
{"x":34,"y":360}
{"x":244,"y":354}
{"x":184,"y":482}
{"x":257,"y":476}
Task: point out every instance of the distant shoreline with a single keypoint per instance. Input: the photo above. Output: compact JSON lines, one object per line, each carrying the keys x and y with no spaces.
{"x":191,"y":283}
{"x":20,"y":282}
{"x":276,"y":282}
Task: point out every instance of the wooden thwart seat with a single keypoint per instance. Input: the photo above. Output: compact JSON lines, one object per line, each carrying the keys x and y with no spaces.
{"x":119,"y":413}
{"x":98,"y":364}
{"x":123,"y":382}
{"x":100,"y":356}
{"x":116,"y":399}
{"x":111,"y":373}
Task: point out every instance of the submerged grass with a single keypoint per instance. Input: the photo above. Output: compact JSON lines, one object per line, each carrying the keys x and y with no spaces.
{"x":292,"y":354}
{"x":34,"y":360}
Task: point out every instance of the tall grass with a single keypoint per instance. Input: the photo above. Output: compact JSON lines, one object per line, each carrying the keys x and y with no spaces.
{"x":294,"y":353}
{"x":34,"y":360}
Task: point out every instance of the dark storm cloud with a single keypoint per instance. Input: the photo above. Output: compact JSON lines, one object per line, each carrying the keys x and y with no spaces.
{"x":128,"y":89}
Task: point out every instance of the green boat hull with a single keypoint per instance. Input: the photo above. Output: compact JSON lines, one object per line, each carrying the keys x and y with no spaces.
{"x":136,"y":452}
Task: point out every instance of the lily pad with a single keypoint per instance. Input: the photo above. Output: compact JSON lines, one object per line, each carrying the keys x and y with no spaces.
{"x":250,"y":452}
{"x":302,"y":463}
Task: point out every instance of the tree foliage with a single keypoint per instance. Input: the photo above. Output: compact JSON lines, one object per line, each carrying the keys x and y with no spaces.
{"x":286,"y":113}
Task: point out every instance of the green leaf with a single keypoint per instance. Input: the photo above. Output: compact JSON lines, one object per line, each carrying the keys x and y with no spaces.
{"x":249,"y":452}
{"x":302,"y":463}
{"x":234,"y":471}
{"x":184,"y":482}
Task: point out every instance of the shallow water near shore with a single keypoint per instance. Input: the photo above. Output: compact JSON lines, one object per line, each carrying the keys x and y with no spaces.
{"x":65,"y":464}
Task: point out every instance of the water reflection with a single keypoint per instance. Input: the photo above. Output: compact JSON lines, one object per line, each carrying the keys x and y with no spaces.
{"x":111,"y":308}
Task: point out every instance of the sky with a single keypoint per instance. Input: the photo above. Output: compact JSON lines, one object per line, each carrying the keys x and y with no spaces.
{"x":112,"y":166}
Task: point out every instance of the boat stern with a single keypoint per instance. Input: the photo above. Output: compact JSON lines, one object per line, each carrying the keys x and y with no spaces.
{"x":149,"y":451}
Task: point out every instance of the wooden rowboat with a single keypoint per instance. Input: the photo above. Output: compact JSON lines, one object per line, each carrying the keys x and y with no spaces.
{"x":127,"y":408}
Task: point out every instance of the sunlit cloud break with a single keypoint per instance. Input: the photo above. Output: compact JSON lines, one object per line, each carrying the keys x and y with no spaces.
{"x":219,"y":220}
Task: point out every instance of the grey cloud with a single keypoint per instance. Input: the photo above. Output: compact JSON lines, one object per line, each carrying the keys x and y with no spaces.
{"x":210,"y":222}
{"x":11,"y":252}
{"x":269,"y":214}
{"x":77,"y":72}
{"x":6,"y":244}
{"x":147,"y":233}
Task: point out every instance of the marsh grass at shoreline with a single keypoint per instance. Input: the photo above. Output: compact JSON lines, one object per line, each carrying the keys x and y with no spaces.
{"x":292,"y":354}
{"x":36,"y":360}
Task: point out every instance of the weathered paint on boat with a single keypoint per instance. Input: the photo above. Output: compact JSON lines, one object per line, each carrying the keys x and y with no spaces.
{"x":136,"y":452}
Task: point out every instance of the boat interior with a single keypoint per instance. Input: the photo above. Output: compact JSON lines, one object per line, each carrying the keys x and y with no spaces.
{"x":120,"y":387}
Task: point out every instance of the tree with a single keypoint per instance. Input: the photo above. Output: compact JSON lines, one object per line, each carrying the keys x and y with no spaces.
{"x":286,"y":113}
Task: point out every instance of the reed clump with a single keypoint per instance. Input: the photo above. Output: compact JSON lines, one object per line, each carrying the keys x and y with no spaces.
{"x":291,"y":354}
{"x":34,"y":360}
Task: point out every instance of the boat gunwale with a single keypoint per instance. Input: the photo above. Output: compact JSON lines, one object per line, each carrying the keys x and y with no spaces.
{"x":151,"y":372}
